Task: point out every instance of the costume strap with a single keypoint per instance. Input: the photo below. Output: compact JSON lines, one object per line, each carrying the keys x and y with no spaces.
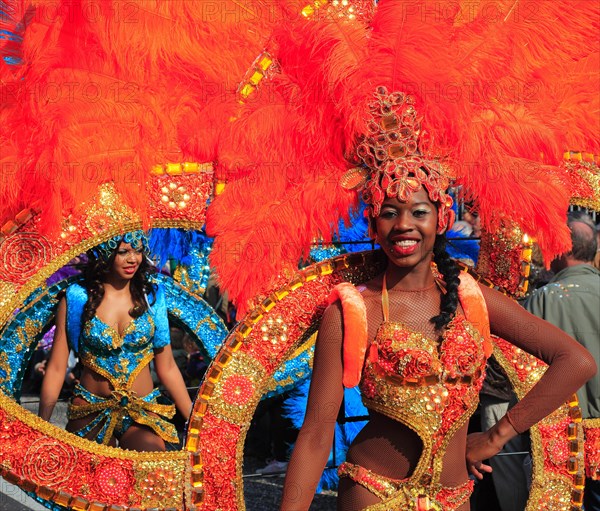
{"x":77,"y":297}
{"x":355,"y":331}
{"x":385,"y":300}
{"x":473,"y":304}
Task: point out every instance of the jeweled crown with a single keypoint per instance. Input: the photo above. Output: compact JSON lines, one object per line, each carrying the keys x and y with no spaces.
{"x":391,"y":151}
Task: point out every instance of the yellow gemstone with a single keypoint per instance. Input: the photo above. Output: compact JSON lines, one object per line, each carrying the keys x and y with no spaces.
{"x":265,"y":62}
{"x":282,"y":293}
{"x":572,"y":465}
{"x":191,"y":167}
{"x":247,"y":90}
{"x":215,"y":373}
{"x":191,"y":443}
{"x":256,"y":78}
{"x":308,"y":11}
{"x":197,"y":478}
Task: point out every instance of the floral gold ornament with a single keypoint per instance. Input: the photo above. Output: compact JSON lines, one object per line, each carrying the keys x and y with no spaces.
{"x":161,"y":484}
{"x":115,"y":482}
{"x":274,"y":330}
{"x":69,"y":231}
{"x":237,"y":390}
{"x":392,"y":154}
{"x":183,"y":196}
{"x":108,"y":211}
{"x":175,"y":196}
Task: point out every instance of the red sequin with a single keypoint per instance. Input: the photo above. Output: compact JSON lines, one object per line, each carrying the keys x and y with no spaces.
{"x":237,"y":390}
{"x":114,"y":481}
{"x":592,"y":452}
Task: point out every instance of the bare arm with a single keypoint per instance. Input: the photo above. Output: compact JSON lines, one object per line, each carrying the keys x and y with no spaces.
{"x":171,"y":378}
{"x":570,"y":366}
{"x":324,"y":400}
{"x":57,"y":365}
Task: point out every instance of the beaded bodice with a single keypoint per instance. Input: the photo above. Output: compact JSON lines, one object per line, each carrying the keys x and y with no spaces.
{"x":430,"y":386}
{"x":409,"y":377}
{"x":118,"y":357}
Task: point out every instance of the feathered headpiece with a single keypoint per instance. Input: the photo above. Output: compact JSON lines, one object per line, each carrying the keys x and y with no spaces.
{"x":394,"y":164}
{"x":499,"y":96}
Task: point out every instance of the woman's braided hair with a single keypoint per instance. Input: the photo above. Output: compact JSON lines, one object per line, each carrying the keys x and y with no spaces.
{"x":450,"y":272}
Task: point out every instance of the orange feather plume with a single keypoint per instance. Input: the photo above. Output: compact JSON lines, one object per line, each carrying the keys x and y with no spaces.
{"x":107,"y":90}
{"x":501,"y":93}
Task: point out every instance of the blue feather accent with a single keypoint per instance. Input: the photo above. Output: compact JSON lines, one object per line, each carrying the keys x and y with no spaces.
{"x":356,"y":231}
{"x":177,"y":244}
{"x":11,"y":51}
{"x":462,"y":247}
{"x":294,"y":408}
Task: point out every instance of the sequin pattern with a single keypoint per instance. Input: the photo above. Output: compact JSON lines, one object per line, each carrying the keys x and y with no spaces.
{"x":116,"y":356}
{"x":405,"y":376}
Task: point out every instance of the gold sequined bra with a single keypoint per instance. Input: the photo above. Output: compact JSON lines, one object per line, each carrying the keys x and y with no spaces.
{"x":432,"y":387}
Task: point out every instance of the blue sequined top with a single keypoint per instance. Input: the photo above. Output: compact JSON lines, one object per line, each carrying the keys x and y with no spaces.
{"x":119,"y":358}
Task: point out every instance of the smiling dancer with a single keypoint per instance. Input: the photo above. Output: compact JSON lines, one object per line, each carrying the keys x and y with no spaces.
{"x":116,"y":322}
{"x":419,"y":353}
{"x":396,"y":103}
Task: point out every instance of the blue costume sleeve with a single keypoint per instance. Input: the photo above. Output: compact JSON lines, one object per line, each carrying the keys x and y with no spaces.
{"x":158,"y":311}
{"x":76,"y":299}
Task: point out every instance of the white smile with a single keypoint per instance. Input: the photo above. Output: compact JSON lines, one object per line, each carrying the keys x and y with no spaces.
{"x":405,"y":243}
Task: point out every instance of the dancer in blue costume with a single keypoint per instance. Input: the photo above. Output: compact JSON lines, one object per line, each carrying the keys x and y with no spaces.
{"x":116,"y":322}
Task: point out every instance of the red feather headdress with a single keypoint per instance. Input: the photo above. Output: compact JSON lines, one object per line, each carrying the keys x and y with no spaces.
{"x":500,"y":95}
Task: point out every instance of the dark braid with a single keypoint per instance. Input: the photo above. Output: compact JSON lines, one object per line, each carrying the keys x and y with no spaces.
{"x":94,"y":274}
{"x":450,"y":271}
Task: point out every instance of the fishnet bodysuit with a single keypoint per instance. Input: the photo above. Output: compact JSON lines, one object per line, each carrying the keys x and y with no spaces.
{"x":388,"y":447}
